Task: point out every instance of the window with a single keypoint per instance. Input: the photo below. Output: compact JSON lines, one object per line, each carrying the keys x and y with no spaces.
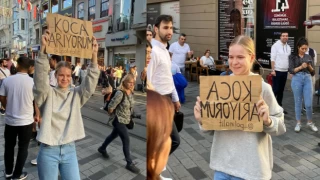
{"x":37,"y":36}
{"x":54,"y":6}
{"x":80,"y":11}
{"x":104,"y":8}
{"x":15,"y":28}
{"x":92,"y":10}
{"x":30,"y":17}
{"x":22,"y":24}
{"x":122,"y":15}
{"x":66,"y":4}
{"x":45,"y":8}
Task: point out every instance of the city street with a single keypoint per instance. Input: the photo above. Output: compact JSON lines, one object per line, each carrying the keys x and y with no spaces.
{"x":296,"y":155}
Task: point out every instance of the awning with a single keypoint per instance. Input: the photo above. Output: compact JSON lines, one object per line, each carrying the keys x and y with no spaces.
{"x":313,"y":20}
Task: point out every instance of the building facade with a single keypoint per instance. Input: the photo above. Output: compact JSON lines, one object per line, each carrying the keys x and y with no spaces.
{"x":34,"y":30}
{"x":98,"y":13}
{"x":125,"y":40}
{"x":5,"y":31}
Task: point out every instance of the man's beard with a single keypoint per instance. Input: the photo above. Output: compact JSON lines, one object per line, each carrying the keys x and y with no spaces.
{"x":5,"y":66}
{"x":164,"y":38}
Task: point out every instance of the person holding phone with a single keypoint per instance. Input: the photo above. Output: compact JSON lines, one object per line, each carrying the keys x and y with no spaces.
{"x":301,"y":66}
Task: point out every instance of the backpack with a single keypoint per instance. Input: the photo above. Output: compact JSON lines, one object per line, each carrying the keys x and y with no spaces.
{"x":13,"y":69}
{"x":109,"y":100}
{"x":311,"y":53}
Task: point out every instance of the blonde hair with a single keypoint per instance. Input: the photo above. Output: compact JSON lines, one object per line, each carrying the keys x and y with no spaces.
{"x":125,"y":79}
{"x":62,"y":64}
{"x":246,"y":42}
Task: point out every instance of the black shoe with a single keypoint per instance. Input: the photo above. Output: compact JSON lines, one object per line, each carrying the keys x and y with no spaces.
{"x":8,"y":176}
{"x":103,"y":152}
{"x":285,"y":112}
{"x":3,"y":112}
{"x":34,"y":135}
{"x":132,"y":168}
{"x":24,"y":175}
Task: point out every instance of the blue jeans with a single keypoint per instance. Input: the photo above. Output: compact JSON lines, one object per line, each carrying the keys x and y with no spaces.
{"x":52,"y":159}
{"x":218,"y":175}
{"x":301,"y":85}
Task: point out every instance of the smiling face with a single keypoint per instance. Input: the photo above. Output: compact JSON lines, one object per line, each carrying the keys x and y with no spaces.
{"x":240,"y":60}
{"x":63,"y":76}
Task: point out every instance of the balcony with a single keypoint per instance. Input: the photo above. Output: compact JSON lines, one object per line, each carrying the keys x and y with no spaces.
{"x":4,"y":27}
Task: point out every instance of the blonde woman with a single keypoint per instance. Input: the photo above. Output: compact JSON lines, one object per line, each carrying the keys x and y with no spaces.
{"x":120,"y":110}
{"x":246,"y":155}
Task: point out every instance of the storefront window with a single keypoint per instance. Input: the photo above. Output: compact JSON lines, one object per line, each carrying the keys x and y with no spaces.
{"x":123,"y":60}
{"x":104,"y":8}
{"x":80,"y":11}
{"x":92,"y":10}
{"x":66,"y":4}
{"x":122,"y":14}
{"x":54,"y":6}
{"x":45,"y":8}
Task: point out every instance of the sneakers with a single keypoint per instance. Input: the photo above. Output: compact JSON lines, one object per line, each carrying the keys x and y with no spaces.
{"x":8,"y":176}
{"x":24,"y":175}
{"x":34,"y":162}
{"x":297,"y":128}
{"x":103,"y":152}
{"x":3,"y":112}
{"x":164,"y":178}
{"x":312,"y":127}
{"x":132,"y":168}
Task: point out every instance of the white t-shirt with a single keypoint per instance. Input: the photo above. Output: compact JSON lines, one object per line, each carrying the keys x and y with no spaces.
{"x":18,"y":90}
{"x":77,"y":70}
{"x":175,"y":68}
{"x":6,"y":71}
{"x":208,"y":61}
{"x":179,"y":53}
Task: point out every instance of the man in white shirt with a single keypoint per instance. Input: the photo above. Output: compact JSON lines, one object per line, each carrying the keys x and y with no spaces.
{"x":53,"y":61}
{"x":16,"y":96}
{"x":280,"y":52}
{"x":180,"y":51}
{"x":159,"y":69}
{"x":4,"y":72}
{"x":76,"y":72}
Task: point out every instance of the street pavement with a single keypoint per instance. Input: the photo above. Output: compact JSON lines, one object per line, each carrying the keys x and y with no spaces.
{"x":296,"y":155}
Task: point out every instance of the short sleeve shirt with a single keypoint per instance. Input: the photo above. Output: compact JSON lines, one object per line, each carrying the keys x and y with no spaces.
{"x":4,"y":73}
{"x":179,"y":53}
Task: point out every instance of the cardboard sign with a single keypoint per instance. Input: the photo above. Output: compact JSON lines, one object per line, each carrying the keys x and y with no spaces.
{"x":229,"y":102}
{"x":69,"y":36}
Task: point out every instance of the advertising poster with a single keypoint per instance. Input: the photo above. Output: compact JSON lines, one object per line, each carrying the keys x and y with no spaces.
{"x":278,"y":16}
{"x":235,"y":18}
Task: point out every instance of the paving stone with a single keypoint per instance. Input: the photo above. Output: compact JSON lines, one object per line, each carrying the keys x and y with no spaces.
{"x":188,"y":163}
{"x":97,"y":175}
{"x":292,"y":160}
{"x":277,"y":168}
{"x":286,"y":175}
{"x":292,"y":148}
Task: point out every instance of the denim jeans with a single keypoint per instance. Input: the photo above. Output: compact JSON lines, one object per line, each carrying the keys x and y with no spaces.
{"x":52,"y":159}
{"x":119,"y":129}
{"x":183,"y":70}
{"x":278,"y":84}
{"x":301,"y":85}
{"x":218,"y":175}
{"x":10,"y":137}
{"x":175,"y":138}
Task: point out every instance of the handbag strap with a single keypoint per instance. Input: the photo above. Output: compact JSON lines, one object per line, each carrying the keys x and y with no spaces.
{"x":3,"y":72}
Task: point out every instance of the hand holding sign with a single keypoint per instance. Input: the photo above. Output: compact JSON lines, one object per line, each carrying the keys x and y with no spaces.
{"x":44,"y":40}
{"x":263,"y":111}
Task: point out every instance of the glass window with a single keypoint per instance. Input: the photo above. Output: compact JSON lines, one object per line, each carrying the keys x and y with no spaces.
{"x":45,"y":8}
{"x":66,"y":4}
{"x":22,"y":24}
{"x":54,"y":6}
{"x":80,"y":10}
{"x":15,"y":28}
{"x":104,"y":8}
{"x":122,"y":14}
{"x":91,"y":10}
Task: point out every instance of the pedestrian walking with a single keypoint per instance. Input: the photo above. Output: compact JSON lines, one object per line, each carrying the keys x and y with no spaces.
{"x":280,"y":52}
{"x":17,"y":98}
{"x":159,"y":127}
{"x":301,"y":66}
{"x":83,"y":73}
{"x":4,"y":73}
{"x":143,"y":78}
{"x":159,"y":72}
{"x":180,"y":51}
{"x":60,"y":108}
{"x":120,"y":110}
{"x":230,"y":157}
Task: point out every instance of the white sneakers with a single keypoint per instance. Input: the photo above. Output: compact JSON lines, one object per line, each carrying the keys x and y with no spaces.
{"x":310,"y":125}
{"x":34,"y":162}
{"x":164,"y":178}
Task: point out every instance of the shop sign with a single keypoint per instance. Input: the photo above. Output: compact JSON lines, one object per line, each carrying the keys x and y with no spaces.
{"x":273,"y":18}
{"x":125,"y":37}
{"x":235,"y":18}
{"x":36,"y":48}
{"x":97,"y":28}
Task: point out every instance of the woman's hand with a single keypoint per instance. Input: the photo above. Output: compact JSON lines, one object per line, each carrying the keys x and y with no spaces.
{"x":197,"y":110}
{"x":304,"y":65}
{"x":95,"y":46}
{"x":263,"y":111}
{"x":44,"y":40}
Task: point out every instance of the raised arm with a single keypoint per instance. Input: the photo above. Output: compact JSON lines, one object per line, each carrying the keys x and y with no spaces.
{"x":41,"y":76}
{"x":88,"y":85}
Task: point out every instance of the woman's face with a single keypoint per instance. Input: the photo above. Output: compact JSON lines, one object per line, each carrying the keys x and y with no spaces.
{"x":208,"y":53}
{"x":63,"y":76}
{"x":129,"y":84}
{"x":303,"y":49}
{"x":163,"y":156}
{"x":240,"y":61}
{"x":148,"y":54}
